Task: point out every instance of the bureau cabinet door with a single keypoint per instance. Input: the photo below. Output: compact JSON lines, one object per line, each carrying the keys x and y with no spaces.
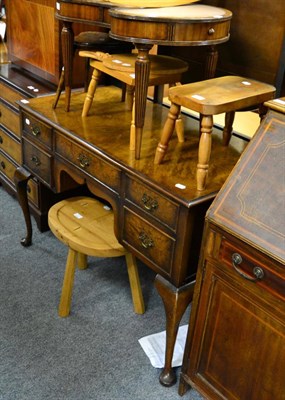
{"x":238,"y":347}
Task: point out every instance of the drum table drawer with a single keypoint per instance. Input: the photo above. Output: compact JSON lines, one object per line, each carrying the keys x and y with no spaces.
{"x":88,"y":162}
{"x":152,"y":243}
{"x":36,"y":131}
{"x":152,"y":202}
{"x":38,"y":162}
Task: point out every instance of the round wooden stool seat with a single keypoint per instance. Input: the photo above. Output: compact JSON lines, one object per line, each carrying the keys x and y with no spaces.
{"x":86,"y":226}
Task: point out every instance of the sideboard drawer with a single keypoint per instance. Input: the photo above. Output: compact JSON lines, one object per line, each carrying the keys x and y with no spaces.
{"x":95,"y":166}
{"x":253,"y":268}
{"x":38,"y":162}
{"x":152,"y":202}
{"x":7,"y":168}
{"x":36,"y":131}
{"x":10,"y":119}
{"x":10,"y":95}
{"x":10,"y":146}
{"x":149,"y":241}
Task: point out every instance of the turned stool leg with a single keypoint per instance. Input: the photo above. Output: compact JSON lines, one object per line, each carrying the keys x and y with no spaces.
{"x":91,"y":92}
{"x":59,"y":88}
{"x":66,"y":293}
{"x":81,"y":261}
{"x":227,"y":132}
{"x":204,"y":151}
{"x":167,"y":132}
{"x":135,"y":284}
{"x":133,"y":127}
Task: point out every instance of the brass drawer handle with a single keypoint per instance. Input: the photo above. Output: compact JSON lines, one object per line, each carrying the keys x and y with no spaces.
{"x":83,"y":161}
{"x":35,"y":130}
{"x":36,"y":160}
{"x":257,"y":271}
{"x":146,"y":241}
{"x":211,"y":31}
{"x":149,"y":203}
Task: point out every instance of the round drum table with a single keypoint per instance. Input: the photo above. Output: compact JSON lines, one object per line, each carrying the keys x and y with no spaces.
{"x":187,"y":25}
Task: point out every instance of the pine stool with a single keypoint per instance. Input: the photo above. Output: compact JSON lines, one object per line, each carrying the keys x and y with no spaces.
{"x":163,"y":70}
{"x":86,"y":226}
{"x":210,"y":97}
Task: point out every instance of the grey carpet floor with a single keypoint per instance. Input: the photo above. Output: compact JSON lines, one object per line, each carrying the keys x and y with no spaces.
{"x":93,"y":354}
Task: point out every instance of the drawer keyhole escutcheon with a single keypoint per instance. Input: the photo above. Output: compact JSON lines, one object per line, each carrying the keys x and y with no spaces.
{"x":257,"y":271}
{"x":36,"y":130}
{"x":83,"y":161}
{"x":146,"y":241}
{"x":36,"y":160}
{"x":149,"y":203}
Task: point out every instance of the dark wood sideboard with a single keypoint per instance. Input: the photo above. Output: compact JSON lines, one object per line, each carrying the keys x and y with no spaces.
{"x":236,"y":340}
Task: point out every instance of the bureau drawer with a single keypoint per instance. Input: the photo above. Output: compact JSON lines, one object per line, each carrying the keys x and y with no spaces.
{"x":149,"y":241}
{"x":33,"y":192}
{"x":36,"y":131}
{"x":10,"y":146}
{"x":37,"y":161}
{"x":10,"y":119}
{"x":253,"y":268}
{"x":152,"y":202}
{"x":89,"y":163}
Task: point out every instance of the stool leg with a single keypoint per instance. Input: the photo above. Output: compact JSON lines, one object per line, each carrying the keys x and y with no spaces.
{"x":66,"y":293}
{"x":227,"y":132}
{"x":167,"y":133}
{"x":179,"y":128}
{"x":91,"y":92}
{"x":204,"y":151}
{"x":133,"y":128}
{"x":59,"y":88}
{"x":134,"y":279}
{"x":81,"y":261}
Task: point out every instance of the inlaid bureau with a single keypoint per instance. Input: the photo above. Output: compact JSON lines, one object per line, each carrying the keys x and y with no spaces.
{"x":16,"y":84}
{"x":236,"y":341}
{"x":158,"y":212}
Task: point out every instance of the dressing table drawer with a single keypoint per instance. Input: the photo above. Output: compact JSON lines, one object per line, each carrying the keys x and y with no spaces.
{"x":151,"y":242}
{"x":38,"y":162}
{"x":36,"y":131}
{"x":92,"y":165}
{"x":152,"y":202}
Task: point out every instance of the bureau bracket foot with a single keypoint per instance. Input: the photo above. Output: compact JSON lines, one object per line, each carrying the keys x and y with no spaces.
{"x":175,"y":302}
{"x":21,"y":178}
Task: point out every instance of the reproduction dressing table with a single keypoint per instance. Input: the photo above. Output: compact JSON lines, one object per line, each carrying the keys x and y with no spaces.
{"x":159,"y":214}
{"x":186,"y":25}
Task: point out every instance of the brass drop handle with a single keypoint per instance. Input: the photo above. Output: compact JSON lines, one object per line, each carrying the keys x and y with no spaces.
{"x":83,"y":161}
{"x":36,"y":130}
{"x":36,"y":160}
{"x":257,"y":271}
{"x":149,"y":203}
{"x":211,"y":31}
{"x":146,"y":241}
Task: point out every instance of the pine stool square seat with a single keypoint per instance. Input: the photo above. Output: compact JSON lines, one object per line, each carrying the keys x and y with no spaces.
{"x":226,"y":94}
{"x":163,"y":70}
{"x":86,"y":226}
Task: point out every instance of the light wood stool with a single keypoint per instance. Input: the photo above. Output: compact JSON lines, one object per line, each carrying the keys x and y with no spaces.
{"x":86,"y":226}
{"x":210,"y":97}
{"x":163,"y":70}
